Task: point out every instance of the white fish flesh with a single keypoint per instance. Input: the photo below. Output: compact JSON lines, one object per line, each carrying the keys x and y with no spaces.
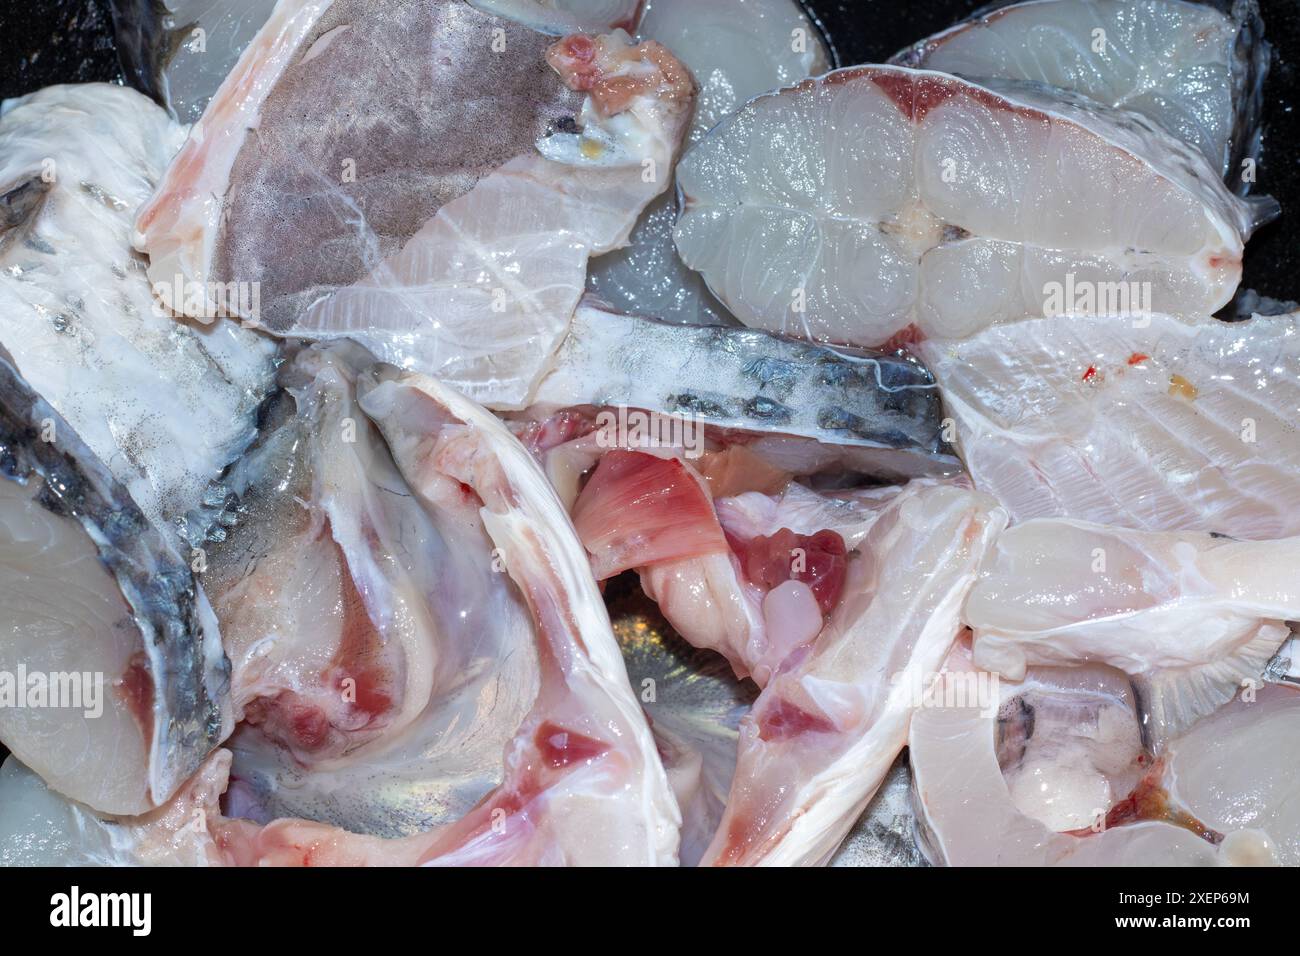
{"x":339,"y":594}
{"x":112,"y":677}
{"x":881,"y":412}
{"x":491,"y":232}
{"x":1196,"y":70}
{"x":736,"y":49}
{"x":312,"y":175}
{"x":1149,"y":422}
{"x":1192,"y":617}
{"x":582,"y":781}
{"x":380,"y":666}
{"x":39,"y":827}
{"x":854,"y":206}
{"x":825,"y":731}
{"x":164,"y":405}
{"x":1011,"y":784}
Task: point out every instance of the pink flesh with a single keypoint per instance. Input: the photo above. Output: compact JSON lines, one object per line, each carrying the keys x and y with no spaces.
{"x":638,"y":509}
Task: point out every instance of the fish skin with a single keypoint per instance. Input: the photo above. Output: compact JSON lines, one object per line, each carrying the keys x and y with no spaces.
{"x":755,"y":381}
{"x":190,"y":674}
{"x":1126,"y":444}
{"x":1212,"y":97}
{"x":165,"y":406}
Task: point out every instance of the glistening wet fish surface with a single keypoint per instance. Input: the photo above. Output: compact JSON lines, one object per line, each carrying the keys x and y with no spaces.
{"x":882,"y":409}
{"x":1195,"y":69}
{"x":878,"y":200}
{"x":92,"y":589}
{"x":1143,"y":421}
{"x":165,"y":405}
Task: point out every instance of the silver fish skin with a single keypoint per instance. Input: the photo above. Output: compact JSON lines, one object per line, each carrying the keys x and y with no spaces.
{"x":882,"y":409}
{"x":184,"y":687}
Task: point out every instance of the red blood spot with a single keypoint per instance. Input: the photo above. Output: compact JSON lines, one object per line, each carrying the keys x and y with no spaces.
{"x":562,"y":748}
{"x":1137,"y":358}
{"x":781,"y":720}
{"x":903,"y":340}
{"x":638,"y":509}
{"x":135,"y":689}
{"x":1090,"y":374}
{"x":818,"y":560}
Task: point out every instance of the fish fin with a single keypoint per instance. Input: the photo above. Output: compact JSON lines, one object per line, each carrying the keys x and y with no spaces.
{"x":1171,"y":700}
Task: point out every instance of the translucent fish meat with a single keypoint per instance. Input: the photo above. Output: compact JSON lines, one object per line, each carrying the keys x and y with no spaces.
{"x":1195,"y":69}
{"x":165,"y":406}
{"x":1149,"y":422}
{"x":853,"y":207}
{"x":736,"y":49}
{"x":582,"y":782}
{"x":825,"y":731}
{"x":114,"y":683}
{"x":1047,"y":777}
{"x":1191,"y":617}
{"x":467,"y":263}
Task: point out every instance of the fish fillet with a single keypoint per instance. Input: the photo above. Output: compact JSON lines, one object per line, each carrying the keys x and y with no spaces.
{"x":1149,"y":422}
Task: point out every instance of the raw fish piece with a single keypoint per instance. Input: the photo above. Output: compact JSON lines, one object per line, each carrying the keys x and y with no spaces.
{"x":850,"y":207}
{"x":179,"y":51}
{"x":102,"y":612}
{"x":1147,"y":422}
{"x":164,"y":405}
{"x":736,"y":49}
{"x":883,"y":411}
{"x":825,"y":731}
{"x":484,"y":293}
{"x":314,"y":175}
{"x":582,"y":782}
{"x":39,"y":827}
{"x":336,"y":589}
{"x":1059,"y":747}
{"x":489,"y":230}
{"x":1196,"y":70}
{"x":1191,"y":617}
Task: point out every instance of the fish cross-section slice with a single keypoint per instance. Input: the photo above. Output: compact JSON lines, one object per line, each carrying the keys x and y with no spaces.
{"x":1195,"y":69}
{"x":1191,"y":617}
{"x":103,"y":615}
{"x":853,"y":206}
{"x":988,"y":793}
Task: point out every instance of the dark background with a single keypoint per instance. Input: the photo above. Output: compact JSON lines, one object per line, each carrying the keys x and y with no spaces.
{"x":70,"y":41}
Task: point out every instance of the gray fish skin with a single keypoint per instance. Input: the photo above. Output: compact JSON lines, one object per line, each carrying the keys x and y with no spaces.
{"x":408,"y":152}
{"x":883,"y":408}
{"x":189,"y":673}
